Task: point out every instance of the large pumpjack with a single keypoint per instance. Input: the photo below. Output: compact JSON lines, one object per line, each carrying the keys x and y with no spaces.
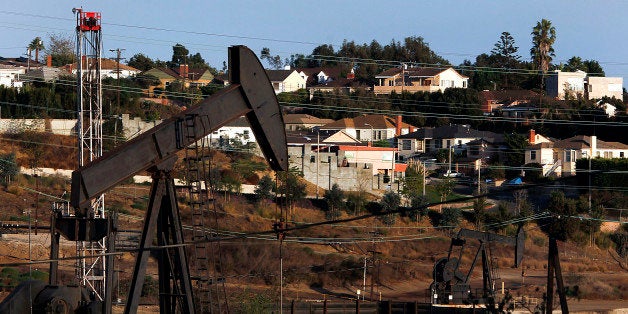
{"x":250,"y":94}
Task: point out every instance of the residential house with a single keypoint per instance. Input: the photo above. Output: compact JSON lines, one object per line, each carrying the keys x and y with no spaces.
{"x":371,"y":128}
{"x":189,"y":77}
{"x":10,"y":76}
{"x":297,"y":121}
{"x":108,"y":68}
{"x":562,"y":85}
{"x":330,"y":79}
{"x":493,"y":99}
{"x":238,"y":129}
{"x":428,"y":140}
{"x":285,"y":81}
{"x":414,"y":80}
{"x":519,"y":111}
{"x":559,"y":157}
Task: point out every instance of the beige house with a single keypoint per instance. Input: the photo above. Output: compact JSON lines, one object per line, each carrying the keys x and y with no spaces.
{"x":381,"y":159}
{"x":561,"y":84}
{"x":189,"y":77}
{"x":415,"y":80}
{"x":370,"y":128}
{"x":298,"y":121}
{"x":598,"y":87}
{"x":285,"y":81}
{"x":559,"y":158}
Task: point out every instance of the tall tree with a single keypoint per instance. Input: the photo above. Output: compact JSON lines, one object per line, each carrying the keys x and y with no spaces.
{"x":141,"y":62}
{"x":506,"y":51}
{"x":61,"y":49}
{"x":36,"y":45}
{"x":179,"y":55}
{"x":574,"y":64}
{"x":335,"y":201}
{"x":273,"y":61}
{"x":390,"y":202}
{"x":594,"y":68}
{"x":543,"y":37}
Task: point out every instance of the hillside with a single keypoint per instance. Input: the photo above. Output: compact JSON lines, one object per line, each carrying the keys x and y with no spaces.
{"x":325,"y":260}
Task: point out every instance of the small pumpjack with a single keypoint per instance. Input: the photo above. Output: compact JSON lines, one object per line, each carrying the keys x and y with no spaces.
{"x":451,"y":286}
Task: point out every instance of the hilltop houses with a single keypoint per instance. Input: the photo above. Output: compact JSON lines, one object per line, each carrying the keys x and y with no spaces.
{"x":416,"y":79}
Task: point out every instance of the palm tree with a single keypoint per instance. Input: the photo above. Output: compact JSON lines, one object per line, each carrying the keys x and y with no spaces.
{"x":543,"y":37}
{"x":36,"y":45}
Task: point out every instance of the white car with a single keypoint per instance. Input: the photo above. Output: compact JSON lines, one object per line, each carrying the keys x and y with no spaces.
{"x":449,"y":174}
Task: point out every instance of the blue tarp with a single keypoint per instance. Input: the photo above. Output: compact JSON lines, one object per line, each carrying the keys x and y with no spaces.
{"x":515,"y":181}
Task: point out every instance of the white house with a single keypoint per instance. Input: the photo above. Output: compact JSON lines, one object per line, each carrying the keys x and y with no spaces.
{"x":108,"y":68}
{"x":560,"y":157}
{"x":10,"y":76}
{"x":284,"y":81}
{"x":238,"y":129}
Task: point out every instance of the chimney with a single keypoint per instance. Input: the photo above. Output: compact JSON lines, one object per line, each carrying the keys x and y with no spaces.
{"x":532,"y":138}
{"x":183,"y":70}
{"x":351,"y":75}
{"x":398,"y":126}
{"x":49,"y":61}
{"x":410,"y":129}
{"x":593,"y":145}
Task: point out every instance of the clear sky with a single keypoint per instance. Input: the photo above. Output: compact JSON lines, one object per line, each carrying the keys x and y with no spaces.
{"x":456,"y":30}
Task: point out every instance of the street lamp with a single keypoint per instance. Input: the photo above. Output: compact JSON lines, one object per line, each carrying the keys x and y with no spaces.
{"x":371,"y":137}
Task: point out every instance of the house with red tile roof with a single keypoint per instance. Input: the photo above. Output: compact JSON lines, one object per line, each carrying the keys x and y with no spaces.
{"x":415,"y":79}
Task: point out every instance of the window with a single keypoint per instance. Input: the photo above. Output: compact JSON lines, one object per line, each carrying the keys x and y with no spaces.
{"x":419,"y":145}
{"x":438,"y":144}
{"x":569,"y":156}
{"x":312,"y":159}
{"x":448,"y":143}
{"x":357,"y":135}
{"x":608,"y":154}
{"x":532,"y":155}
{"x":459,"y":143}
{"x":621,"y":154}
{"x":464,"y":84}
{"x":447,"y":83}
{"x":406,"y":144}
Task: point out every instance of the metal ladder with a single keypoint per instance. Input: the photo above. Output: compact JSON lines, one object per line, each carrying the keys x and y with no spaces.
{"x":196,"y":173}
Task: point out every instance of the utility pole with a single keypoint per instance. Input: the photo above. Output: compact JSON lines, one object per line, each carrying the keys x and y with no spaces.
{"x":318,"y":158}
{"x":118,"y":52}
{"x":479,"y":171}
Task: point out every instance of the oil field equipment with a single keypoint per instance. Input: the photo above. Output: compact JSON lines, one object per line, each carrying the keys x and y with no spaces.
{"x":249,"y":94}
{"x":451,"y":285}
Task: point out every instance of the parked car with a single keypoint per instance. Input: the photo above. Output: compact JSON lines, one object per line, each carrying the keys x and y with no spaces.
{"x":451,"y":174}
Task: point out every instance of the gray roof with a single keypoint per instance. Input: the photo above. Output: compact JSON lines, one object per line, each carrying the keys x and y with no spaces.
{"x":449,"y":132}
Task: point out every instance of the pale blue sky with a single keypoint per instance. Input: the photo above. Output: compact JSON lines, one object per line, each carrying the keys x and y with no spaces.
{"x":456,"y":30}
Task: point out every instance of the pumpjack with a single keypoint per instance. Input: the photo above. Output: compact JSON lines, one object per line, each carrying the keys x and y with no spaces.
{"x":250,"y":94}
{"x":451,"y":285}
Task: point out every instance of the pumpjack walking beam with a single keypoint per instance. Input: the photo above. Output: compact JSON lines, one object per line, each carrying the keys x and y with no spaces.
{"x":249,"y":94}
